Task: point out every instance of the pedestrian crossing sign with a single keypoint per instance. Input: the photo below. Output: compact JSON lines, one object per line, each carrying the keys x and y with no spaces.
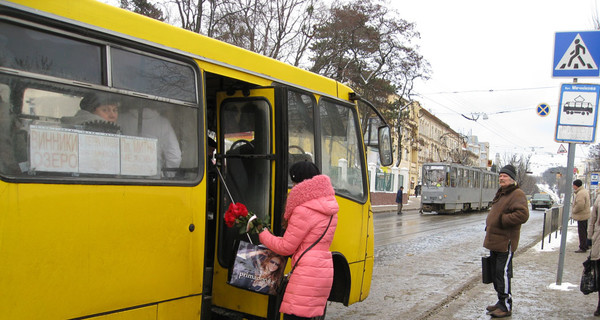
{"x":576,"y":54}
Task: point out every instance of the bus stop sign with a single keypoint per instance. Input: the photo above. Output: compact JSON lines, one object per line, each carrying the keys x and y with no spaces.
{"x":577,"y":110}
{"x":594,"y":177}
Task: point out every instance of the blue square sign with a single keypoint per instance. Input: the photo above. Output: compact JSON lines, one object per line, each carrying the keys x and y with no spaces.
{"x":576,"y":54}
{"x":577,"y":110}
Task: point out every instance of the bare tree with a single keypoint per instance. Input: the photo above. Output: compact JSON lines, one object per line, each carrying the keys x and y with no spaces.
{"x":143,"y":7}
{"x":366,"y":45}
{"x":280,"y":29}
{"x":523,"y":164}
{"x":594,"y":157}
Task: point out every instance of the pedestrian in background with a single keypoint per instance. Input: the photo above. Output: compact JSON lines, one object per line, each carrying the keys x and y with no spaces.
{"x":311,"y":212}
{"x":417,"y":190}
{"x":594,"y":236}
{"x":399,"y":199}
{"x":580,"y":211}
{"x":503,"y":227}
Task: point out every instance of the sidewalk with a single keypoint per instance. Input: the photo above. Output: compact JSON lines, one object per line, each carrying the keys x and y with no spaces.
{"x":534,"y":289}
{"x":414,"y":203}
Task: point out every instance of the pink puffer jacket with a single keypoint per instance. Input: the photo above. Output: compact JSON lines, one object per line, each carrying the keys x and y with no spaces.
{"x":310,"y":205}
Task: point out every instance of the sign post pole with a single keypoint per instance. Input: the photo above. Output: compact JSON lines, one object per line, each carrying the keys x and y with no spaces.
{"x":576,"y":54}
{"x":566,"y":214}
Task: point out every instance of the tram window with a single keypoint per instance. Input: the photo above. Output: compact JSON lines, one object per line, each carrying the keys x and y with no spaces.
{"x":471,"y":178}
{"x":153,"y":76}
{"x":301,"y":132}
{"x":48,"y":54}
{"x":340,"y":152}
{"x":453,"y":177}
{"x":434,"y":176}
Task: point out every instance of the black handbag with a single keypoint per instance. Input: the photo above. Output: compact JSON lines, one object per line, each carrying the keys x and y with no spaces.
{"x":588,"y":278}
{"x":486,"y":270}
{"x":286,"y":278}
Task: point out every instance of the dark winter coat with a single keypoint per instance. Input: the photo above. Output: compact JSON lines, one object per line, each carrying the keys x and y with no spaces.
{"x":503,"y":225}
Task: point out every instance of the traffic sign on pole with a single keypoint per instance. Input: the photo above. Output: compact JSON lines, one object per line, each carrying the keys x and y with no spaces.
{"x":577,"y":110}
{"x":594,"y":178}
{"x":543,"y":109}
{"x":576,"y":54}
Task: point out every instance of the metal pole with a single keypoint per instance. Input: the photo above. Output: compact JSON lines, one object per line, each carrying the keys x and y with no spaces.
{"x":566,"y":213}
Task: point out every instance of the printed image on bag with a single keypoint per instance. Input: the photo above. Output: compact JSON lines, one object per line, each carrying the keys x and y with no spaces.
{"x":256,"y":268}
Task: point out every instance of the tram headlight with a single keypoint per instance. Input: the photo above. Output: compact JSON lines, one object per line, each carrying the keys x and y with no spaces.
{"x":440,"y":197}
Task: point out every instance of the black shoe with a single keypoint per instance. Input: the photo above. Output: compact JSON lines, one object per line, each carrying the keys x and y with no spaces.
{"x":581,"y":251}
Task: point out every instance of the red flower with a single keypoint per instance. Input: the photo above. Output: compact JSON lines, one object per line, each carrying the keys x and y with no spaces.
{"x":237,"y":215}
{"x":229,"y":219}
{"x":238,"y":210}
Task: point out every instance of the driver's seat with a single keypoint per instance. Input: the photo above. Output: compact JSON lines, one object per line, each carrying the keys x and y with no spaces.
{"x":297,"y":157}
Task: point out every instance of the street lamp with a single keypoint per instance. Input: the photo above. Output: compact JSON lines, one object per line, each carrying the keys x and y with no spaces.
{"x":475,"y":116}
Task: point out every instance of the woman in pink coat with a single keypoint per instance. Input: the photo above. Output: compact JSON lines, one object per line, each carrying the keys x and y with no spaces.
{"x":310,"y":206}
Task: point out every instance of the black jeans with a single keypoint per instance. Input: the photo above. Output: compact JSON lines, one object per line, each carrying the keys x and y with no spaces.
{"x":502,"y":267}
{"x":582,"y":231}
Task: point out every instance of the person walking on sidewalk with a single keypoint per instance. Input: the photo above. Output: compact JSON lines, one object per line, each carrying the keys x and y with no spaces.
{"x":400,"y":199}
{"x":593,"y":233}
{"x":580,"y":211}
{"x":503,"y":227}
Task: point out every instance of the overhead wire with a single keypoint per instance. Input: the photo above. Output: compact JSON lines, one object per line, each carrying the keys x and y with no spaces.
{"x":493,"y":90}
{"x":460,"y":114}
{"x":501,"y":134}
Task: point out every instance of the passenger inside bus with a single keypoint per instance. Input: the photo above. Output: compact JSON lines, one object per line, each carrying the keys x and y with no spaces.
{"x":148,"y":122}
{"x":97,"y":113}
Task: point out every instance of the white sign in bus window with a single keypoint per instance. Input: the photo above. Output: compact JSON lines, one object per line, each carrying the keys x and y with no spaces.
{"x":53,"y":150}
{"x":99,"y":154}
{"x":139,"y":156}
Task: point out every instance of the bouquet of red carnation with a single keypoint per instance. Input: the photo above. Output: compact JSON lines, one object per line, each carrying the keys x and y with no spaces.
{"x":246,"y":222}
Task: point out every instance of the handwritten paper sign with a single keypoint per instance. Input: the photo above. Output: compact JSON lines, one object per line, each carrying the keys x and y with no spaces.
{"x":76,"y":151}
{"x":139,"y":156}
{"x":54,"y":150}
{"x":99,"y":154}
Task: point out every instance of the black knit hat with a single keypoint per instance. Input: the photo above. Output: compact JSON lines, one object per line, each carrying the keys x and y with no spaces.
{"x":91,"y":101}
{"x":303,"y":170}
{"x":510,"y":171}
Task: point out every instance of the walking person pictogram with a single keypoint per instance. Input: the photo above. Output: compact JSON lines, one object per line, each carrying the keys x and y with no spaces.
{"x":577,"y":54}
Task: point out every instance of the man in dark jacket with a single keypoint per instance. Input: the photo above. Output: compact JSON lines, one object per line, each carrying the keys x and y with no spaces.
{"x":503,"y":227}
{"x":400,"y":199}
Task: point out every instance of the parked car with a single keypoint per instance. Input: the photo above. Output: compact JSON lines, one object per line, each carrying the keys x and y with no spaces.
{"x":541,"y":200}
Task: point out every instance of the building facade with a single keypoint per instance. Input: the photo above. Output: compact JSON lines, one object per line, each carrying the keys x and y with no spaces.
{"x":420,"y":138}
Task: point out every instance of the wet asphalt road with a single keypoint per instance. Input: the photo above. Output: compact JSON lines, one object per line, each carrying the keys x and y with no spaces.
{"x":421,"y":260}
{"x":391,"y":228}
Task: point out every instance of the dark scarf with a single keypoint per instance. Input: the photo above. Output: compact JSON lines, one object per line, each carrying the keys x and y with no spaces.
{"x":505,"y":191}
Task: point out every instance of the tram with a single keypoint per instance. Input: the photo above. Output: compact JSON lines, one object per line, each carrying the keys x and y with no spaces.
{"x":451,"y":188}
